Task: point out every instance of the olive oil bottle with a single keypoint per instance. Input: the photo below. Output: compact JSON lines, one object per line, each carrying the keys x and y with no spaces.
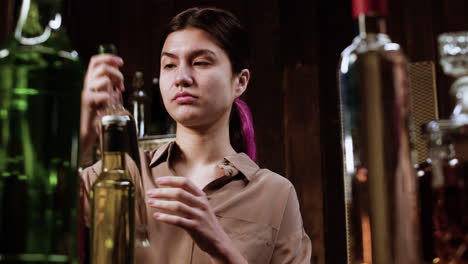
{"x":113,"y":199}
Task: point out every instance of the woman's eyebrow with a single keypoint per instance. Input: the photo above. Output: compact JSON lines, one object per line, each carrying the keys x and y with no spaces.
{"x":170,"y":55}
{"x":200,"y":52}
{"x":192,"y":54}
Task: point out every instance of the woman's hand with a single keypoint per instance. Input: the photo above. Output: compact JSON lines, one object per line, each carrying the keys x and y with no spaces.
{"x":187,"y":206}
{"x":102,"y":77}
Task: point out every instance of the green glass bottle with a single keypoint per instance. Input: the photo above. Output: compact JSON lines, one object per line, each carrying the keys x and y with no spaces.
{"x":40,"y":90}
{"x":113,"y":198}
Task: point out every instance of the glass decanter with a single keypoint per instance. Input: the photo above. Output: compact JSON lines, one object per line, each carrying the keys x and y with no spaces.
{"x":450,"y":166}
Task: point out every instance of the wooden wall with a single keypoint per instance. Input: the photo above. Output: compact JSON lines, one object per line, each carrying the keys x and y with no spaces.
{"x":293,"y":95}
{"x":6,"y":19}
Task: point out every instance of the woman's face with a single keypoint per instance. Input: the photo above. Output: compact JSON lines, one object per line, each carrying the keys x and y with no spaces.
{"x":196,"y":80}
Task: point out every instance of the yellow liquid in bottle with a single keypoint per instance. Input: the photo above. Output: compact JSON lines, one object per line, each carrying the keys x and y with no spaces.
{"x":112,"y":238}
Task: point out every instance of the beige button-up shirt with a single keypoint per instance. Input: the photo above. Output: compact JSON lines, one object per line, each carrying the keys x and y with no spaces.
{"x":257,"y":208}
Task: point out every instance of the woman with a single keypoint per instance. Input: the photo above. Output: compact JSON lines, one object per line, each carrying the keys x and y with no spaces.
{"x":217,"y":205}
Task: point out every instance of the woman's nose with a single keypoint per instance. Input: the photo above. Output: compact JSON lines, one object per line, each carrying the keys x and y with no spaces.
{"x":183,"y":77}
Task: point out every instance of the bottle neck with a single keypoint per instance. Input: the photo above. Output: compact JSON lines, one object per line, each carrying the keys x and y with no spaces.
{"x":138,"y":82}
{"x":36,"y":20}
{"x":460,"y":90}
{"x":371,"y":24}
{"x":113,"y":161}
{"x":113,"y":145}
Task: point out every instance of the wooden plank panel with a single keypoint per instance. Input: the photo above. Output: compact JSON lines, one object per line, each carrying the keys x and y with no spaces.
{"x":7,"y":22}
{"x":301,"y":118}
{"x":406,"y":20}
{"x":453,"y":15}
{"x":264,"y":93}
{"x":302,"y":138}
{"x":336,"y":31}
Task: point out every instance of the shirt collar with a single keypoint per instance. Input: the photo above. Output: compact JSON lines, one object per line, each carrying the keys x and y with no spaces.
{"x":161,"y":154}
{"x":244,"y":164}
{"x":240,"y":161}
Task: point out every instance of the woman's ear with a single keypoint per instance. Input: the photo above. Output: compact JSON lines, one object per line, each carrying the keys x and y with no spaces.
{"x":242,"y":80}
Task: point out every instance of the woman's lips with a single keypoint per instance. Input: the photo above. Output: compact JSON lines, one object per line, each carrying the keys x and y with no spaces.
{"x":184,"y":98}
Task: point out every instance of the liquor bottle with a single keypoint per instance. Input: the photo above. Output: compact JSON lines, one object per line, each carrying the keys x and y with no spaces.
{"x":113,"y":199}
{"x":140,"y":104}
{"x":162,"y":124}
{"x":131,"y":147}
{"x":450,"y":159}
{"x":446,"y":199}
{"x":40,"y":91}
{"x":380,"y":183}
{"x":436,"y":133}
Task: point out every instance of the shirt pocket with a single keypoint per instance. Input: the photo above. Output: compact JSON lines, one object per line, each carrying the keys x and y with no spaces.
{"x":254,"y":240}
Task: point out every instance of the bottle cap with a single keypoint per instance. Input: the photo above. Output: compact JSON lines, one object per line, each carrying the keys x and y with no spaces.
{"x":107,"y":48}
{"x":114,"y":133}
{"x":119,"y":120}
{"x":370,"y":7}
{"x":138,"y":81}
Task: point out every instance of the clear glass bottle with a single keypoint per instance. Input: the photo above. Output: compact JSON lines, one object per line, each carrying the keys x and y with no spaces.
{"x":113,"y":199}
{"x":450,"y":159}
{"x":140,"y":104}
{"x":446,"y":199}
{"x":162,"y":123}
{"x":379,"y":179}
{"x":40,"y":91}
{"x":441,"y":151}
{"x":116,"y":108}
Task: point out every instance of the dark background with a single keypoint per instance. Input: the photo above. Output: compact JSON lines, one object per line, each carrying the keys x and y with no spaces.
{"x":293,"y":94}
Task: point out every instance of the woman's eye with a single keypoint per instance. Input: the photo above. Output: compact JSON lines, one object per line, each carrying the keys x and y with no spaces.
{"x":169,"y":66}
{"x":201,"y":63}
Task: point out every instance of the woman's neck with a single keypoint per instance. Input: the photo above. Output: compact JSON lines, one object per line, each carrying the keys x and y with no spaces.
{"x":204,"y":145}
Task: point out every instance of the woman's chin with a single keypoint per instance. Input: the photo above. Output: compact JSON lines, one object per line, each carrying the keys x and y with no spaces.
{"x":192,"y":117}
{"x":188,"y":119}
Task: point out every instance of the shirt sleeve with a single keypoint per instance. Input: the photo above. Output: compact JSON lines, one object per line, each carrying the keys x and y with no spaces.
{"x":90,"y":174}
{"x":292,"y":244}
{"x":88,"y":177}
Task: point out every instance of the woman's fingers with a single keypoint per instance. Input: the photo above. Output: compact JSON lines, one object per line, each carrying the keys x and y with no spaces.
{"x":110,"y":73}
{"x":174,"y":207}
{"x":106,"y":59}
{"x":175,"y":220}
{"x":103,"y":84}
{"x":106,"y":65}
{"x":98,"y":100}
{"x":98,"y":91}
{"x":177,"y":194}
{"x":180,"y":182}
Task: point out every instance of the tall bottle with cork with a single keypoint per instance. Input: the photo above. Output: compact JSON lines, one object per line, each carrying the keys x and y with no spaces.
{"x":380,"y":183}
{"x":40,"y":91}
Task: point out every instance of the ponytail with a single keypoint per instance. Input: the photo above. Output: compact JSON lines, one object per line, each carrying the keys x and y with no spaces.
{"x":241,"y":129}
